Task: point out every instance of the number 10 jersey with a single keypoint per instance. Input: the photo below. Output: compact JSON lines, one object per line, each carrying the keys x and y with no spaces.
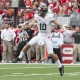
{"x":44,"y":24}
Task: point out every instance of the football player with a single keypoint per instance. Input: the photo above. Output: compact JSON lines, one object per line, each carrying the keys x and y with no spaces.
{"x":43,"y":21}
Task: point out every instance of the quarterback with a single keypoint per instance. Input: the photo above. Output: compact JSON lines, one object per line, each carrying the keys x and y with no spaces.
{"x":43,"y":21}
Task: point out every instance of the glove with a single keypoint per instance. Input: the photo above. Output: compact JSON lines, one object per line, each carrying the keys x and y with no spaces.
{"x":64,"y":28}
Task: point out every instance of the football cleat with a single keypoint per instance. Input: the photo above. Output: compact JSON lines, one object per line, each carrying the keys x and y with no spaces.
{"x":16,"y":60}
{"x":61,"y":70}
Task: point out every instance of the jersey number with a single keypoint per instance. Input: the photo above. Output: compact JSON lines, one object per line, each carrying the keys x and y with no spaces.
{"x":42,"y":26}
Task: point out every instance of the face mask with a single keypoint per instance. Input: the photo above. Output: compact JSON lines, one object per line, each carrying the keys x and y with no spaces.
{"x":45,"y":11}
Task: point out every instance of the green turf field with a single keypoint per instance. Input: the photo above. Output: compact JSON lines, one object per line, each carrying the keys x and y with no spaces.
{"x":38,"y":72}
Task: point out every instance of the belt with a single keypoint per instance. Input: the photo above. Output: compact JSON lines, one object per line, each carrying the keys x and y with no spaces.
{"x":7,"y":41}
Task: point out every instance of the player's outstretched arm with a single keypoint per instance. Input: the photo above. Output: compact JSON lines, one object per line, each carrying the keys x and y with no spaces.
{"x":32,"y":23}
{"x":59,"y":24}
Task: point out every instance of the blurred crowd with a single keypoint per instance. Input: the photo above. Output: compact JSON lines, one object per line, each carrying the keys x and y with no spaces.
{"x":62,"y":8}
{"x":59,"y":8}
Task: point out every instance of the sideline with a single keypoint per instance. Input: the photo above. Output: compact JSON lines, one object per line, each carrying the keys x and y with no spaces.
{"x":31,"y":67}
{"x":38,"y":63}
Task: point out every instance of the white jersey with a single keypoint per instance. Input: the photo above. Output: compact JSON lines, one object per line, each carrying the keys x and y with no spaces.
{"x":44,"y":24}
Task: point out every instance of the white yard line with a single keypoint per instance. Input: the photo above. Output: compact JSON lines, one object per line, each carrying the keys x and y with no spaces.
{"x":18,"y":74}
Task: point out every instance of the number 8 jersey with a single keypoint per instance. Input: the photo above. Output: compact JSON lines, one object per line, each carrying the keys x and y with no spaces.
{"x":44,"y":24}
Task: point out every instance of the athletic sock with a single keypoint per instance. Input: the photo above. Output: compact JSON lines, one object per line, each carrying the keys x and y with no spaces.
{"x":59,"y":63}
{"x":21,"y":54}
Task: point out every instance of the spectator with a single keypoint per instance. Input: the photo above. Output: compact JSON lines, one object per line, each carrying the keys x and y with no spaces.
{"x":28,"y":3}
{"x":57,"y":7}
{"x":57,"y":39}
{"x":1,"y":11}
{"x":3,"y":26}
{"x":27,"y":15}
{"x":0,"y":48}
{"x":76,"y":48}
{"x":66,"y":11}
{"x":73,"y":28}
{"x":30,"y":32}
{"x":23,"y":35}
{"x":75,"y":16}
{"x":1,"y":5}
{"x":10,"y":12}
{"x":40,"y":52}
{"x":35,"y":6}
{"x":7,"y":35}
{"x":5,"y":16}
{"x":22,"y":4}
{"x":67,"y":35}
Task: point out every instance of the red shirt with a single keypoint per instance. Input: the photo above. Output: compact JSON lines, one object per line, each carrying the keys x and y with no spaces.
{"x":28,"y":16}
{"x":16,"y":30}
{"x":31,"y":15}
{"x":1,"y":12}
{"x":64,"y":1}
{"x":78,"y":10}
{"x":57,"y":10}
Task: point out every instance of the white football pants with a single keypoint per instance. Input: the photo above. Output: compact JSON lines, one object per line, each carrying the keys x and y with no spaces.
{"x":47,"y":41}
